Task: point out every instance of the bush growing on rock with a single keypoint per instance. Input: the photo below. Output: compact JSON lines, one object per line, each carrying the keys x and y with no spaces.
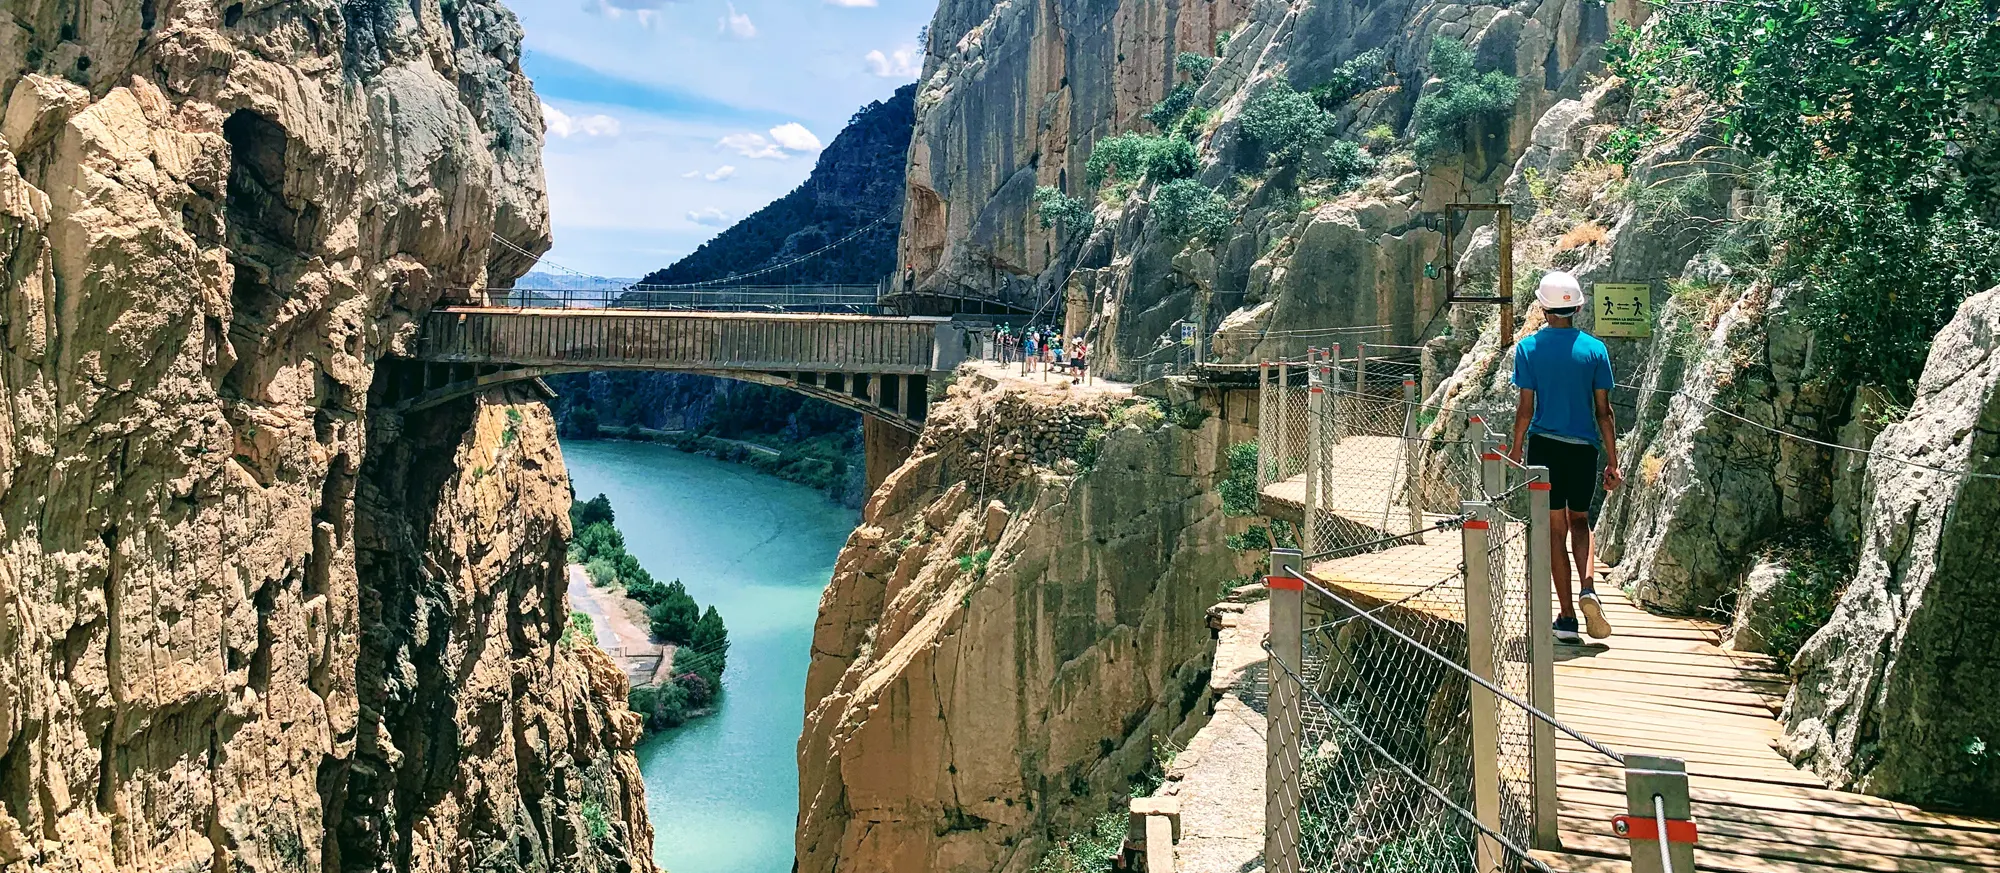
{"x":1169,"y":110}
{"x":1186,"y":209}
{"x":1057,"y":209}
{"x":1283,"y":121}
{"x":1462,"y":96}
{"x":1357,"y":74}
{"x":1195,"y":65}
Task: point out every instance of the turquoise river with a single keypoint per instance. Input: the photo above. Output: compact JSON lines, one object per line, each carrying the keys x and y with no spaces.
{"x":723,"y":791}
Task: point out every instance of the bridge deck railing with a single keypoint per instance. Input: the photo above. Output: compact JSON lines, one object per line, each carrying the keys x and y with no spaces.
{"x":849,"y":299}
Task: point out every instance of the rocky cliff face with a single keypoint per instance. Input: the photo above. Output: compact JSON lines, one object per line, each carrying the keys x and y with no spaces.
{"x":217,"y":218}
{"x":1007,"y":633}
{"x":1892,"y":696}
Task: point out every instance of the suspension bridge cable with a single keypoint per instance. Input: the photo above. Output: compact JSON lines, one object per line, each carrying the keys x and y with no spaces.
{"x":774,"y":267}
{"x":540,"y":260}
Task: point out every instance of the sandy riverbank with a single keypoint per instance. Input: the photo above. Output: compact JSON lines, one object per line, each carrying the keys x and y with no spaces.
{"x":620,"y":623}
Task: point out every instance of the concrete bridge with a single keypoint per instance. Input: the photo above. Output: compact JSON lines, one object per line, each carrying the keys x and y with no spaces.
{"x":880,"y":366}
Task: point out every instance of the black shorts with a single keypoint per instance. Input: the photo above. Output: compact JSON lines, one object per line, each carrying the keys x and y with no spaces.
{"x":1573,"y":471}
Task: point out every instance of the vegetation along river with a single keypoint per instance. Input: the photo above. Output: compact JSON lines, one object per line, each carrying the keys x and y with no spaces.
{"x":723,"y":790}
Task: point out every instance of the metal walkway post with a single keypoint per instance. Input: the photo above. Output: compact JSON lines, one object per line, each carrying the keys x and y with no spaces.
{"x":1542,"y":657}
{"x":1658,"y":820}
{"x":1413,"y":492}
{"x":1479,"y":659}
{"x":1336,"y":387}
{"x":1265,"y":399}
{"x":1315,"y":466}
{"x":1284,"y":421}
{"x":1492,"y":475}
{"x":1282,"y":722}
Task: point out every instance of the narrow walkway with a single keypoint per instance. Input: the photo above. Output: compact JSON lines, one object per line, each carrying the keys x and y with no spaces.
{"x":1219,"y":777}
{"x":619,"y":633}
{"x":1663,"y":685}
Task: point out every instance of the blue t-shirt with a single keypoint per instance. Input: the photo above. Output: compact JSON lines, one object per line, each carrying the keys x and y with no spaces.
{"x":1564,"y":367}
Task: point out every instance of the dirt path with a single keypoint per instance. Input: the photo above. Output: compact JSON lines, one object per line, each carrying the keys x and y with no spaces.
{"x":621,"y":631}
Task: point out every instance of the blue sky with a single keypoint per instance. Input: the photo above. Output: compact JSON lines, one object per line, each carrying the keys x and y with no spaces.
{"x":670,"y":119}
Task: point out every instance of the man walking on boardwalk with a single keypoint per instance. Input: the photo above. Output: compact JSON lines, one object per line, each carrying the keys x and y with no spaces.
{"x":1564,"y":418}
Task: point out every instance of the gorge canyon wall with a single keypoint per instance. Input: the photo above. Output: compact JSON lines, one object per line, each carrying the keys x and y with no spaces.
{"x":250,"y":622}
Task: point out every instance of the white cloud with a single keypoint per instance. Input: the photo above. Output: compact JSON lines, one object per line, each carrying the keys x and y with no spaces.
{"x":784,"y":140}
{"x":735,"y":24}
{"x":709,"y":217}
{"x":751,"y":145}
{"x":795,"y":137}
{"x":904,"y":63}
{"x":646,"y":12}
{"x":563,"y":126}
{"x":851,"y":3}
{"x":716,"y":175}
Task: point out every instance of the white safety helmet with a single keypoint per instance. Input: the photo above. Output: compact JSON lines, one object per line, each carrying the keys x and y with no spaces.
{"x":1559,"y":290}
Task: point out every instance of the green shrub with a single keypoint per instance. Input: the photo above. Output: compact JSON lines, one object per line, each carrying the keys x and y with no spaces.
{"x":1884,"y":175}
{"x":662,"y":706}
{"x":601,"y":572}
{"x":1172,"y":158}
{"x":1358,"y":74}
{"x":974,"y":565}
{"x":1239,"y":489}
{"x":1059,"y":210}
{"x":583,"y":514}
{"x":1091,"y":850}
{"x":594,"y":819}
{"x":1121,"y":157}
{"x":580,"y":631}
{"x":1462,"y":97}
{"x":1342,"y":162}
{"x":1169,"y":110}
{"x":1185,"y":209}
{"x":594,"y":540}
{"x":1817,"y":569}
{"x":1195,"y":65}
{"x":1222,"y":43}
{"x":1283,"y":121}
{"x":674,"y":615}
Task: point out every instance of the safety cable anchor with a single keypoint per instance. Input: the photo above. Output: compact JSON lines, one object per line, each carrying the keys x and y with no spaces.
{"x":1633,"y":827}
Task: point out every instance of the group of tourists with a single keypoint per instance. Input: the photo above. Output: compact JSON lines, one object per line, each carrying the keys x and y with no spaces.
{"x":1045,"y":346}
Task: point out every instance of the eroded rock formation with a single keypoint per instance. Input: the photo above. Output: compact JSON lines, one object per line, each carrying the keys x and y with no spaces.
{"x":1007,"y":633}
{"x":214,"y":220}
{"x":1894,"y":695}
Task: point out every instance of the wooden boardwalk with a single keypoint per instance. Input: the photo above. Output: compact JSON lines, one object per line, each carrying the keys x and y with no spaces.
{"x":1662,"y":685}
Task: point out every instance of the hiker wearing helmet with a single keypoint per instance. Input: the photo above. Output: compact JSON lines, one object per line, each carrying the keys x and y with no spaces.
{"x":1562,"y":422}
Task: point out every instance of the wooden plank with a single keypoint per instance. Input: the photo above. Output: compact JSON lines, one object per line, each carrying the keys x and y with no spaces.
{"x":1943,"y":839}
{"x":1868,"y":853}
{"x":1791,"y":799}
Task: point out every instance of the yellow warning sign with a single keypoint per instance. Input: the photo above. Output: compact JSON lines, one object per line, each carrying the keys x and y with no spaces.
{"x":1623,"y":310}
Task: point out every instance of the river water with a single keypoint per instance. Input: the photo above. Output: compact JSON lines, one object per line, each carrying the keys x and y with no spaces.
{"x":723,"y":791}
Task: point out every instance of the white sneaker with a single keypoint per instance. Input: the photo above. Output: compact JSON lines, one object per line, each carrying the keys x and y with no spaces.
{"x":1593,"y":615}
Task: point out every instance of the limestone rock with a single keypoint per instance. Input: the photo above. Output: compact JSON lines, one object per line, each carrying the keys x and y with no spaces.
{"x":1750,"y":628}
{"x":960,"y":714}
{"x":1894,"y":696}
{"x":215,"y":219}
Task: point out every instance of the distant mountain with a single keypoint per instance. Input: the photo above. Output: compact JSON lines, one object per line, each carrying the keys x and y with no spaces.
{"x":543,"y":281}
{"x":859,"y":179}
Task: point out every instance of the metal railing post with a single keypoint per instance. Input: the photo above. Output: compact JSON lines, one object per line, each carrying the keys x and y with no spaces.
{"x":1542,"y":657}
{"x":1412,"y":460}
{"x":1284,"y":440}
{"x":1360,"y":369}
{"x":1315,"y":466}
{"x":1656,"y":798}
{"x":1338,"y":433}
{"x":1329,"y":409}
{"x":1492,"y":472}
{"x":1264,"y":434}
{"x":1479,"y":659}
{"x":1282,"y":721}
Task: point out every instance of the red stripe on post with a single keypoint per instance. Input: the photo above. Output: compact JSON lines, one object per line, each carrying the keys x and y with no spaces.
{"x":1284,"y":583}
{"x":1318,"y":390}
{"x":1410,"y":382}
{"x":1490,"y":456}
{"x":1476,"y":524}
{"x":1538,"y":486}
{"x":1639,"y":827}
